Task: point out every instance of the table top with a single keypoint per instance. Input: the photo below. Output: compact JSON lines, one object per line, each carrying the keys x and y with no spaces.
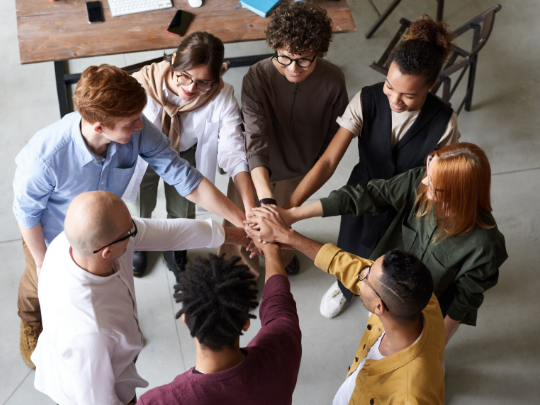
{"x":53,"y":31}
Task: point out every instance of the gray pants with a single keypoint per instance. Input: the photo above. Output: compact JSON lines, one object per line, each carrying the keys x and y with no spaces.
{"x":177,"y":206}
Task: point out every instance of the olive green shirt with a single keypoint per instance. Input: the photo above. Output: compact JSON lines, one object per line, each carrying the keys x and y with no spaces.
{"x":463,"y":267}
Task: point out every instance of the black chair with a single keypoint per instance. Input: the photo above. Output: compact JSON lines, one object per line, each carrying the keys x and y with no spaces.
{"x":390,"y":8}
{"x":459,"y":60}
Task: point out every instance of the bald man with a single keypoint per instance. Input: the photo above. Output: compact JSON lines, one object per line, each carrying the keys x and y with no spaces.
{"x":91,"y":335}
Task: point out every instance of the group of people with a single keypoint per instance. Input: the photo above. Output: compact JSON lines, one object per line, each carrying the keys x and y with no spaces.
{"x":417,"y":240}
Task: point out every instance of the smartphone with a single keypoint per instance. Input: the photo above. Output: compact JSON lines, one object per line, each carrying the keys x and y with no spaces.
{"x":95,"y":12}
{"x":180,"y":23}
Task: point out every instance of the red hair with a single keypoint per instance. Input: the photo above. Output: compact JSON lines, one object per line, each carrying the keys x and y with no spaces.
{"x":461,"y":182}
{"x":106,"y":94}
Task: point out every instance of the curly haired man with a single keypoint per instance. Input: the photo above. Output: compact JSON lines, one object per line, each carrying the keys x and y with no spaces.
{"x":290,"y":103}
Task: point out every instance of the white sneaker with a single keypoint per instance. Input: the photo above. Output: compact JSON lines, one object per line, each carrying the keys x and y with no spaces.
{"x":332,"y":301}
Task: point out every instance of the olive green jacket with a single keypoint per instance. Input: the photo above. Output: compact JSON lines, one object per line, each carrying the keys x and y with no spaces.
{"x":463,"y":267}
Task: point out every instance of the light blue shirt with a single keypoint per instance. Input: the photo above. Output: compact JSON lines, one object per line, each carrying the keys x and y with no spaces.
{"x":56,"y":166}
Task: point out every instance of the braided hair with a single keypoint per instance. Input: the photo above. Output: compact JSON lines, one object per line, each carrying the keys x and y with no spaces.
{"x":216,"y":296}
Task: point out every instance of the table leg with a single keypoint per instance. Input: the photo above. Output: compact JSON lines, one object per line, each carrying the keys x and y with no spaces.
{"x":61,"y":88}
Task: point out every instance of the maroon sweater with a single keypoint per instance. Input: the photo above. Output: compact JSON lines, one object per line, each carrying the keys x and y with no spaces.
{"x":268,"y":373}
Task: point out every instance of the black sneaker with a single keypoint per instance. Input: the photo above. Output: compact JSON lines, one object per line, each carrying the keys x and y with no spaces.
{"x":294,"y":267}
{"x":139,"y":264}
{"x":176,"y":261}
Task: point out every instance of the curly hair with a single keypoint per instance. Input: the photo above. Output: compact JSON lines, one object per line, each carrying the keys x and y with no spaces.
{"x":199,"y":48}
{"x":216,"y":296}
{"x":424,"y":49}
{"x":299,"y":27}
{"x":106,"y":94}
{"x":407,"y":285}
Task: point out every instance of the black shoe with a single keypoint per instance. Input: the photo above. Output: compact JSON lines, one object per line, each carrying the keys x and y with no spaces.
{"x":294,"y":267}
{"x":139,"y":264}
{"x":176,"y":261}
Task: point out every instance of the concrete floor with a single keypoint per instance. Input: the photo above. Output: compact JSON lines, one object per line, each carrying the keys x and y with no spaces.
{"x":497,"y":362}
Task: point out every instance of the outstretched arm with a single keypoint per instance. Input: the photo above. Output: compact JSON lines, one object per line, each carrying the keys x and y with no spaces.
{"x":323,"y":169}
{"x":289,"y":216}
{"x":209,"y":197}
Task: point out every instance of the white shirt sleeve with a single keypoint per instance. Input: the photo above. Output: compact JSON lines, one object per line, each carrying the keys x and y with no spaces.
{"x":177,"y":234}
{"x":231,"y":146}
{"x":451,"y":133}
{"x":87,"y":360}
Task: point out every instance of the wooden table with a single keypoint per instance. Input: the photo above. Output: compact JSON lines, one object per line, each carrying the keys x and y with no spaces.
{"x":59,"y":31}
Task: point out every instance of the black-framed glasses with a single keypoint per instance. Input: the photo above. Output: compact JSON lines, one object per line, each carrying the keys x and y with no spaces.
{"x":132,"y":233}
{"x":286,"y":61}
{"x":185,"y":80}
{"x":364,"y":279}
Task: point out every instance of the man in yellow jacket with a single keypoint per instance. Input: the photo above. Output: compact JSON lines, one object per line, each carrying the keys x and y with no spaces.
{"x":399,"y":359}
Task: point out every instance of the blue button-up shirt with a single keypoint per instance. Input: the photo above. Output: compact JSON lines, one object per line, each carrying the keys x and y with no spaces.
{"x":56,"y":166}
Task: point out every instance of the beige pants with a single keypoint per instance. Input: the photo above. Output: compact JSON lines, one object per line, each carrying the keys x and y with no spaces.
{"x":27,"y":300}
{"x":282,"y":191}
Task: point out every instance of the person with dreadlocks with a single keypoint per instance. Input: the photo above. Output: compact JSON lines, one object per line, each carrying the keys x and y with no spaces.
{"x":91,"y":335}
{"x":217,"y":295}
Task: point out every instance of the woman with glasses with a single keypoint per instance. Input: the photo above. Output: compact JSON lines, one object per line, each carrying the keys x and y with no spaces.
{"x":197,"y":110}
{"x":290,"y":103}
{"x":443,"y":217}
{"x":397,"y":124}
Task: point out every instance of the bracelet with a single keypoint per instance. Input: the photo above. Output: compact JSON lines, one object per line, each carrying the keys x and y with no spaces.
{"x":267,"y":201}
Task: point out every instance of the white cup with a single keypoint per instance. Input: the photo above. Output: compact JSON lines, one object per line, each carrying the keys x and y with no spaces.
{"x":195,"y":3}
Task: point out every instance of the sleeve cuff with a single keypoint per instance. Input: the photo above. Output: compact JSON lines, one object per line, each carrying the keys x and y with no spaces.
{"x":28,"y":223}
{"x":259,"y":160}
{"x":330,"y":206}
{"x":186,"y":188}
{"x":242,"y":167}
{"x":348,"y":126}
{"x":456,"y":311}
{"x":218,"y":233}
{"x":326,"y":256}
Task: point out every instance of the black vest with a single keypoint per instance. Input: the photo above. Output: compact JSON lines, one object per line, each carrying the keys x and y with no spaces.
{"x":378,"y":160}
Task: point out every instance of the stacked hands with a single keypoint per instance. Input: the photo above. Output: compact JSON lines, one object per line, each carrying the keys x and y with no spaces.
{"x":268,"y":224}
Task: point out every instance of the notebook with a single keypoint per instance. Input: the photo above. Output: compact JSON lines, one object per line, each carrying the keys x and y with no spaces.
{"x":260,"y":7}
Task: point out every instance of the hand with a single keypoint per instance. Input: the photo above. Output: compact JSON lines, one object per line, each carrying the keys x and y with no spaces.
{"x":272,"y":226}
{"x":285,"y":214}
{"x":254,"y":249}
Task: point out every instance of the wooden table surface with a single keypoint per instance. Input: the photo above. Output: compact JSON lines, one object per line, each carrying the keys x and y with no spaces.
{"x":54,"y":31}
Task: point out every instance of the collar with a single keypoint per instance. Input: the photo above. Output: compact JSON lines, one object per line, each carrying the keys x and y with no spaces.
{"x":83,"y":153}
{"x":403,"y":357}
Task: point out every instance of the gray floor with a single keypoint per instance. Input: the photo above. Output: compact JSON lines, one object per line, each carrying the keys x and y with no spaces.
{"x":497,"y":362}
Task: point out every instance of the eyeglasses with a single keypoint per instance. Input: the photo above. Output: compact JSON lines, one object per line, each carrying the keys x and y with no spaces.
{"x":286,"y":61}
{"x":132,"y":233}
{"x":202,"y":85}
{"x":362,"y":278}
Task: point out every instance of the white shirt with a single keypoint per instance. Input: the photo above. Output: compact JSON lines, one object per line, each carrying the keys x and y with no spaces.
{"x":91,"y":333}
{"x":344,"y":394}
{"x":216,"y":128}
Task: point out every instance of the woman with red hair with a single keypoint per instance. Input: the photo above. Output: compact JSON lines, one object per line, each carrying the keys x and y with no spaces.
{"x":444,"y":218}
